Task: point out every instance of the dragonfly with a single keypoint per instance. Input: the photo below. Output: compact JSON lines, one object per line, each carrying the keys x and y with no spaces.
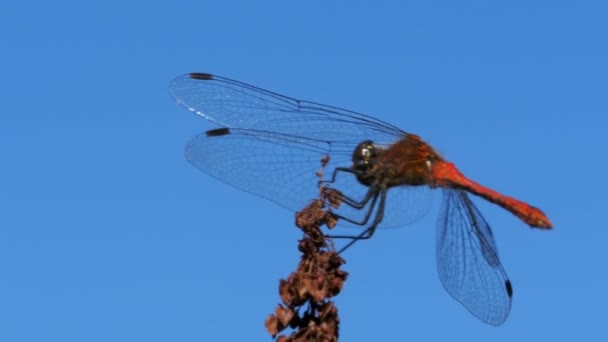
{"x":270,"y":145}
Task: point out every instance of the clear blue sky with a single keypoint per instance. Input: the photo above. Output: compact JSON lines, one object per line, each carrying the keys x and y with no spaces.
{"x":108,"y":234}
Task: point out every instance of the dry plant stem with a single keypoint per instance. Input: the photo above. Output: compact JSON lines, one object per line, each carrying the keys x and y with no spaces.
{"x":306,"y":306}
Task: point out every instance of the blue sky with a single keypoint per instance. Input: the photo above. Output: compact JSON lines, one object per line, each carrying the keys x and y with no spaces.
{"x":108,"y":234}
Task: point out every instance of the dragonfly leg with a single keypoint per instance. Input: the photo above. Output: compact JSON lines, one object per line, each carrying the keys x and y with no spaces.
{"x":348,"y":200}
{"x":369,"y":231}
{"x":373,"y":195}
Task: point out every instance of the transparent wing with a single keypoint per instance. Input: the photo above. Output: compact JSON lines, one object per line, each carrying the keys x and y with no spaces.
{"x":235,"y":104}
{"x":279,"y":167}
{"x":467,"y":260}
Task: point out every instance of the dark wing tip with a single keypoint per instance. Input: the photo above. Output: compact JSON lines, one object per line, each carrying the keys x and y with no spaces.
{"x":509,"y":288}
{"x":201,"y":76}
{"x":218,"y":132}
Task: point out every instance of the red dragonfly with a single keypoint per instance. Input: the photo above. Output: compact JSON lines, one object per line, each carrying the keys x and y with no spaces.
{"x":271,"y":145}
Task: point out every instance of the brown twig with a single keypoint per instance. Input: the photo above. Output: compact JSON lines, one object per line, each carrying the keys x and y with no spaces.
{"x":306,"y":306}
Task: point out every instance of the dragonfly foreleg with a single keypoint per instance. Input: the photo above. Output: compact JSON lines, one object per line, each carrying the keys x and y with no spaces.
{"x":346,"y":199}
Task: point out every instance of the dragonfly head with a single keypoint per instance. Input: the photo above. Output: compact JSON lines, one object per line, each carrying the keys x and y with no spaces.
{"x":364,"y":158}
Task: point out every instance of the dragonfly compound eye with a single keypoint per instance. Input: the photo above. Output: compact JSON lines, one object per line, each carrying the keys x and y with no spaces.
{"x":364,"y":156}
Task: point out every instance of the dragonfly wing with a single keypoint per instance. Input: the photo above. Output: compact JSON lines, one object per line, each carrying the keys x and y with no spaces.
{"x":269,"y":124}
{"x":235,"y":104}
{"x":279,"y":167}
{"x":467,"y":260}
